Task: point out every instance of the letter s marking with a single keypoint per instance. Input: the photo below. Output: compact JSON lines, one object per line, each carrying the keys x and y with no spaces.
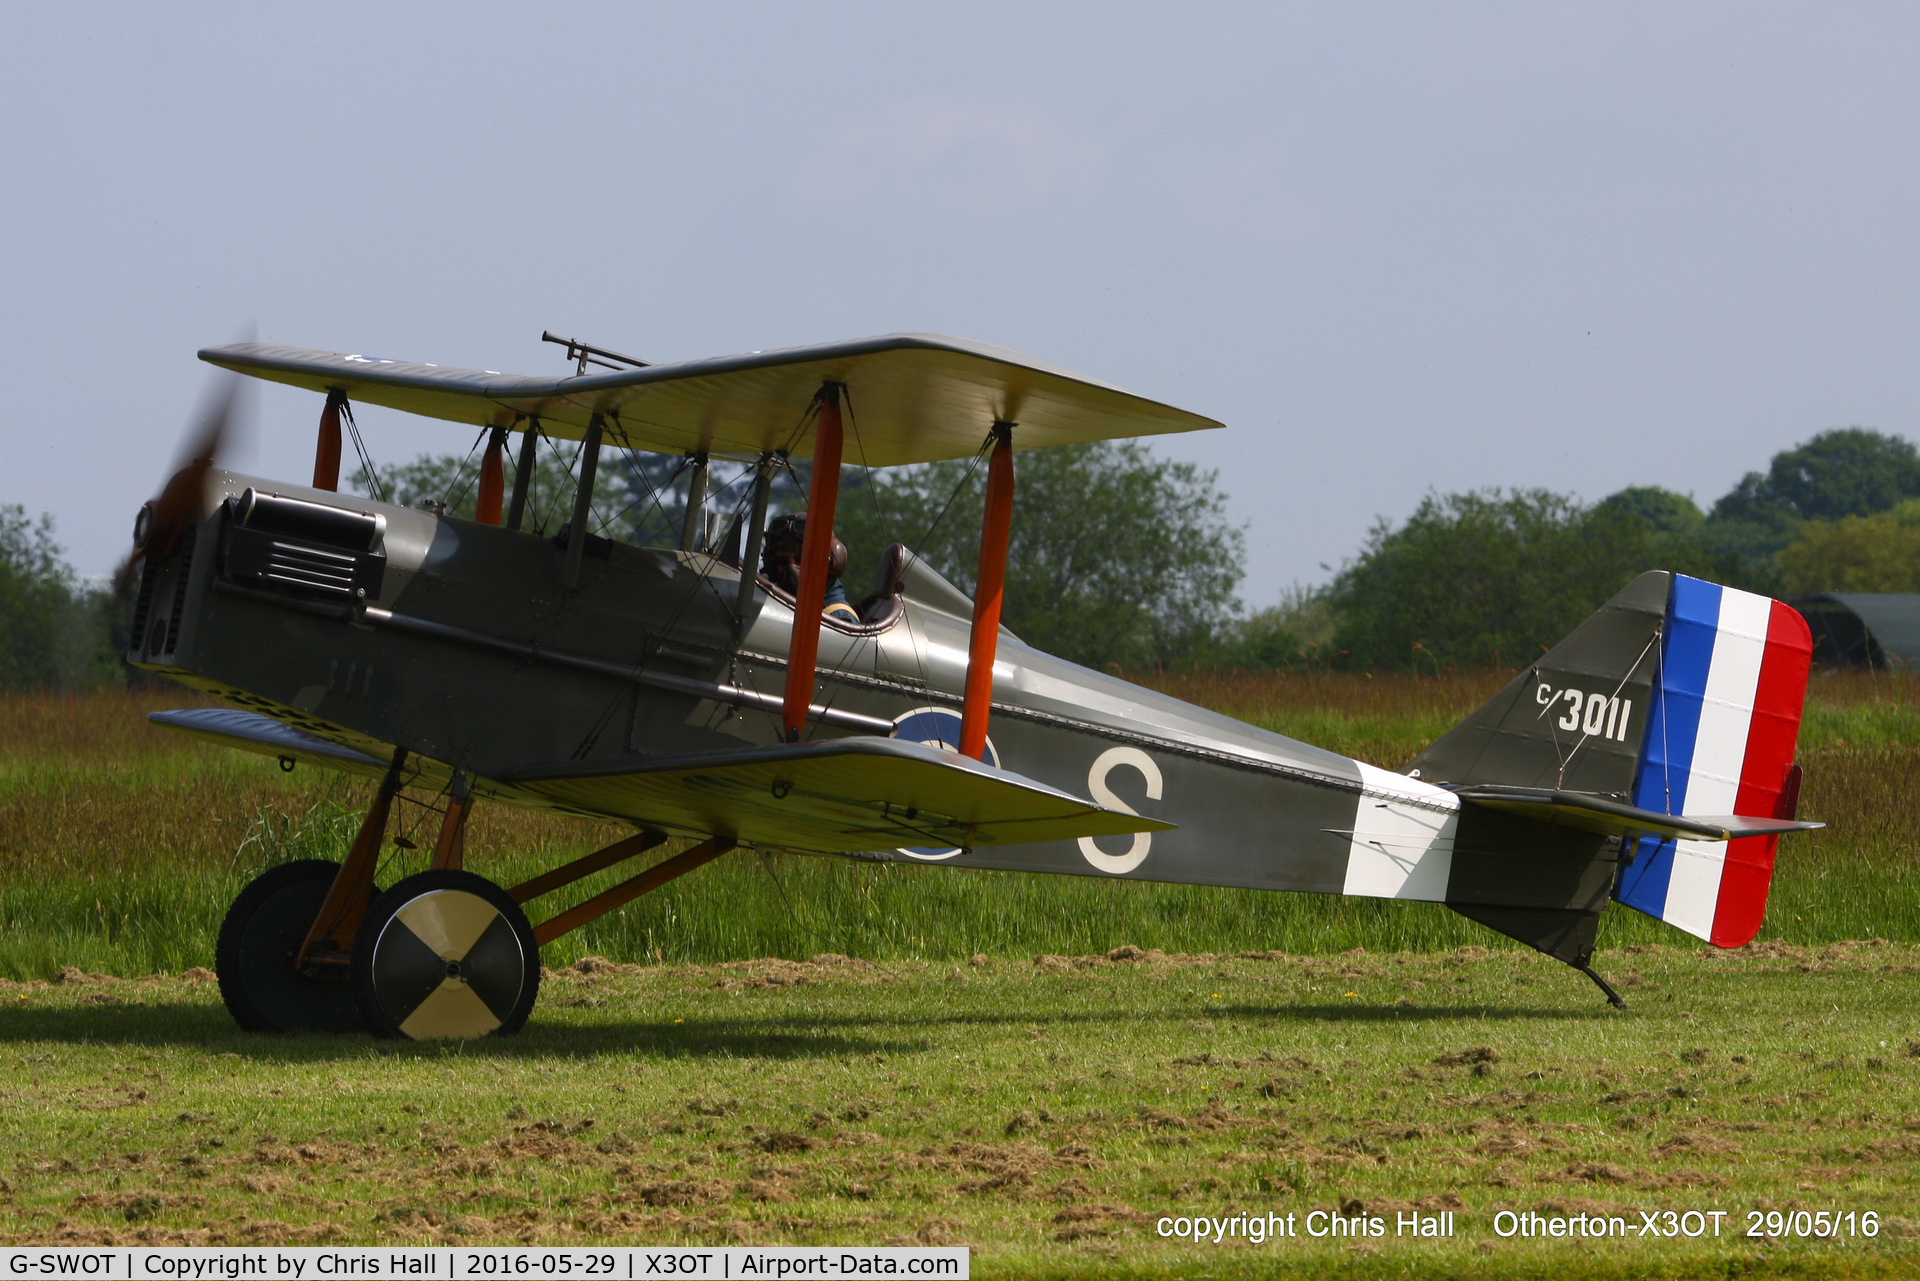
{"x":1134,"y":758}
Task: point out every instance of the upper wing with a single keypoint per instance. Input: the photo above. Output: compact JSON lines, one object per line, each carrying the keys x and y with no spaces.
{"x":839,"y":796}
{"x":914,"y":397}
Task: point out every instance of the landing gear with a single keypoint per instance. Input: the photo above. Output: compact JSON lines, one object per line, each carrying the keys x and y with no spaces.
{"x":259,"y":946}
{"x":445,"y":954}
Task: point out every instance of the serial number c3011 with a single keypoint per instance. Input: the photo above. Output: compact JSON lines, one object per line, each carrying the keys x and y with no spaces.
{"x":568,"y":1264}
{"x":1812,"y":1223}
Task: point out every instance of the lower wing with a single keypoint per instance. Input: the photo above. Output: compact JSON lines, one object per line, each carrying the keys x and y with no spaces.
{"x":844,"y":795}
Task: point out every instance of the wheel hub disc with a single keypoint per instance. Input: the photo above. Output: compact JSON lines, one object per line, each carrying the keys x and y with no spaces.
{"x":448,"y":964}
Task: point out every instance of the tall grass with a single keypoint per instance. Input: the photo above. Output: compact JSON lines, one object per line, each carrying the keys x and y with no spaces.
{"x":121,"y":845}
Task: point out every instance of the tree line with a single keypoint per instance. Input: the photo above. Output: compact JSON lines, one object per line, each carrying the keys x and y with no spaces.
{"x":1488,"y":578}
{"x":56,"y":632}
{"x":1123,"y":559}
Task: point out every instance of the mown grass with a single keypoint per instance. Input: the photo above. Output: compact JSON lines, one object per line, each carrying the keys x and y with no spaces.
{"x":948,"y":1087}
{"x":122,"y":844}
{"x":1045,"y":1113}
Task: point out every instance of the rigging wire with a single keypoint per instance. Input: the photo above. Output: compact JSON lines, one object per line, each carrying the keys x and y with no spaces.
{"x":634,"y":471}
{"x":374,"y":486}
{"x":546,"y":513}
{"x":1575,"y":751}
{"x":607,"y":712}
{"x":451,"y":498}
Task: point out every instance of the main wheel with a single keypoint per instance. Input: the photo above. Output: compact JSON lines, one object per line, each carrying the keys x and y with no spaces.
{"x":259,"y":942}
{"x":445,"y":954}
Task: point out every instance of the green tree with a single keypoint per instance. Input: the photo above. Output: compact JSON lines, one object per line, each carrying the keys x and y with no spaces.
{"x":53,"y":631}
{"x":1116,"y":557}
{"x":34,"y":596}
{"x":621,"y":508}
{"x":1660,"y":510}
{"x":1491,"y":578}
{"x":1295,"y":633}
{"x":1876,"y":553}
{"x":1849,"y":471}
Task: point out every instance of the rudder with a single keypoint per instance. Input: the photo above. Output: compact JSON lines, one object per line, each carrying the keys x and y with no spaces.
{"x":1720,"y":736}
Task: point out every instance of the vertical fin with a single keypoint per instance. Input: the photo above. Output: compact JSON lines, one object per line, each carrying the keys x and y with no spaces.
{"x":1572,"y":719}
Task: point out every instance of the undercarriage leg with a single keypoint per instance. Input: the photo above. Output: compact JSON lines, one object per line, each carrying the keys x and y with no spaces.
{"x":581,"y":868}
{"x":331,"y":935}
{"x":450,"y":851}
{"x":625,"y":892}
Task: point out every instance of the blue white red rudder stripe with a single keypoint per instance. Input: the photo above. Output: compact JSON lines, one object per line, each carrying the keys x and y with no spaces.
{"x":1720,"y":740}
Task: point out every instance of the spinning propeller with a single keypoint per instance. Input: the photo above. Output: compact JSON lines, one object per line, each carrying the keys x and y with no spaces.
{"x":157,"y":529}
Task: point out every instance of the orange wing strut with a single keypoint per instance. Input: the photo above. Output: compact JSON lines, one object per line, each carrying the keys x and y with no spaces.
{"x":995,"y":530}
{"x":803,"y":653}
{"x":326,"y":454}
{"x":493,"y":479}
{"x":626,"y":891}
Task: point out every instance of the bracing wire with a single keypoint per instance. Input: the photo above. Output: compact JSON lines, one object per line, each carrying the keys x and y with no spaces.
{"x":653,"y":493}
{"x":374,"y":487}
{"x":672,"y":620}
{"x":546,"y":512}
{"x":1575,"y":750}
{"x":457,"y":487}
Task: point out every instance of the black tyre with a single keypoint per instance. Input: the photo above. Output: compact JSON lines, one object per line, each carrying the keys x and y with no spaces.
{"x":259,"y":942}
{"x":445,"y":955}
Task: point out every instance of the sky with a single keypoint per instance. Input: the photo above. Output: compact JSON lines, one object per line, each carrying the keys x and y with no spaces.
{"x":1396,"y":249}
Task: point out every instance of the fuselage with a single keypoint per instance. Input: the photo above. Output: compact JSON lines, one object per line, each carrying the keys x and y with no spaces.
{"x":468,"y":652}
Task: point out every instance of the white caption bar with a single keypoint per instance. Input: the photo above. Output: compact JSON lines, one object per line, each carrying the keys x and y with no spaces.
{"x":431,"y":1263}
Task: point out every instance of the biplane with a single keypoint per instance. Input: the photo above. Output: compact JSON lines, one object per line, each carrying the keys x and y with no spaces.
{"x":1646,"y":759}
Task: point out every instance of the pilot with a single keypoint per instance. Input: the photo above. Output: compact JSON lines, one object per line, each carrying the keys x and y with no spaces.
{"x":780,"y":562}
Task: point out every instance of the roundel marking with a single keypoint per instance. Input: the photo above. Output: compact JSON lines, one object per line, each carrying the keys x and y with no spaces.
{"x":1104,"y":764}
{"x":938,"y":727}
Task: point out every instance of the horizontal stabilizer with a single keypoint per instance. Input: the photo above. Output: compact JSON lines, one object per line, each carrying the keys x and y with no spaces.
{"x":840,"y":796}
{"x":1603,"y":814}
{"x":252,"y":732}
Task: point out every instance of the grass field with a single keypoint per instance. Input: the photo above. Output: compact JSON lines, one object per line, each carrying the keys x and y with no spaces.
{"x":946,"y":1085}
{"x":122,"y":844}
{"x":1046,"y":1114}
